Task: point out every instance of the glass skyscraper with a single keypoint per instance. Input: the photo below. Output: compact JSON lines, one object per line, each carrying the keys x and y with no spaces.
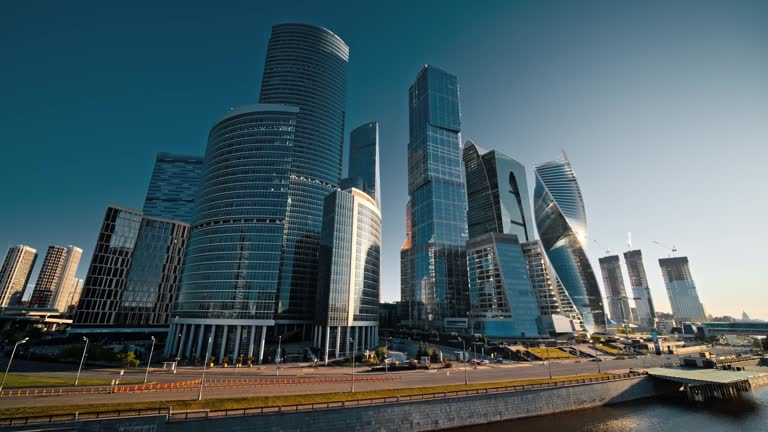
{"x":613,"y":282}
{"x":683,"y":296}
{"x":15,"y":272}
{"x":558,"y":313}
{"x":231,"y":275}
{"x":562,"y":224}
{"x":348,"y":279}
{"x":497,"y":194}
{"x":502,"y":300}
{"x":306,"y":67}
{"x":173,"y":187}
{"x":364,"y":159}
{"x":436,"y":287}
{"x":134,"y":273}
{"x":639,"y":283}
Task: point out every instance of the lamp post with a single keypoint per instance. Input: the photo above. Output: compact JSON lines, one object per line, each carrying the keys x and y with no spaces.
{"x":277,"y":357}
{"x":23,"y":341}
{"x":386,"y":354}
{"x":152,"y":350}
{"x":77,"y":378}
{"x":178,"y":355}
{"x":202,"y":380}
{"x":463,"y":352}
{"x":354,"y":351}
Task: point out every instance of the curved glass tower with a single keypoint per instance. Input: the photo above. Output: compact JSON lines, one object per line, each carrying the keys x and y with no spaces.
{"x":306,"y":67}
{"x":497,"y":194}
{"x":364,"y":159}
{"x":561,"y":220}
{"x":231,"y":273}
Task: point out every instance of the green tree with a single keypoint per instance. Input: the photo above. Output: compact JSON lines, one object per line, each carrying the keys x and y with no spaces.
{"x":128,"y":358}
{"x":381,"y":353}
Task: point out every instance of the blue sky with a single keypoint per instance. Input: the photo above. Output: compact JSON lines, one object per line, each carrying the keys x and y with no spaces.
{"x":662,"y":108}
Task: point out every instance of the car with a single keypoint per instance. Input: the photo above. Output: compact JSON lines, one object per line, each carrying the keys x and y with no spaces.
{"x":475,"y":362}
{"x":485,"y":362}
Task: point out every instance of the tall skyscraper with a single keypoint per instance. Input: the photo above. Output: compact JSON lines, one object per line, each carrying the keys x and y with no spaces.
{"x":15,"y":272}
{"x":502,"y":300}
{"x":437,"y":284}
{"x":57,"y":277}
{"x":613,"y":281}
{"x":134,"y":272}
{"x":173,"y":187}
{"x":562,"y":224}
{"x":364,"y":159}
{"x":683,"y":296}
{"x":497,"y":194}
{"x":642,"y":292}
{"x":558,"y":313}
{"x":49,"y":278}
{"x":306,"y":67}
{"x":348,"y":279}
{"x":231,"y":276}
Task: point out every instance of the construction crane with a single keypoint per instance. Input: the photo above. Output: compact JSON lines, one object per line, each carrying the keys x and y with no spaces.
{"x":606,"y":251}
{"x":673,"y":249}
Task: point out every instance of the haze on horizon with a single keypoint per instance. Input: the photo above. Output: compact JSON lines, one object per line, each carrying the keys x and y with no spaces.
{"x":662,"y":109}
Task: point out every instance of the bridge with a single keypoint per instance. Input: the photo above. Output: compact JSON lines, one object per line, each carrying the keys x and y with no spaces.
{"x":746,"y":328}
{"x":701,"y":384}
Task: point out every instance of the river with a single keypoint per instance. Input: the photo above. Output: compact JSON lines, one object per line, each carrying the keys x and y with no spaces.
{"x":750,"y":414}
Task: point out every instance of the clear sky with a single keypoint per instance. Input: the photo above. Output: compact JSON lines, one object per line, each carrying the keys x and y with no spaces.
{"x":662,"y":108}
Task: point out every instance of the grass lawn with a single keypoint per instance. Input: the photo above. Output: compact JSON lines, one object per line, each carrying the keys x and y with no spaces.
{"x":270,"y":401}
{"x":28,"y":381}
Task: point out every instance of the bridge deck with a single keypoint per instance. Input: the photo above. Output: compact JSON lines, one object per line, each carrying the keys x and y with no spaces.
{"x":702,"y":376}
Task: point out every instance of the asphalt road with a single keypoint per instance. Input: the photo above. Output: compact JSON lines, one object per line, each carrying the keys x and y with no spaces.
{"x":409,"y":379}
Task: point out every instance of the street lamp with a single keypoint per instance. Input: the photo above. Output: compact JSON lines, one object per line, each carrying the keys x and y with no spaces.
{"x":386,"y":354}
{"x":23,"y":341}
{"x":178,"y":355}
{"x":202,"y":380}
{"x":152,"y":350}
{"x":463,"y":352}
{"x":277,"y":357}
{"x":77,"y":378}
{"x":354,"y":351}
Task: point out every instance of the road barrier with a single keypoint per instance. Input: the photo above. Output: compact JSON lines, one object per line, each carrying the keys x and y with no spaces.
{"x":191,"y":415}
{"x":185,"y":385}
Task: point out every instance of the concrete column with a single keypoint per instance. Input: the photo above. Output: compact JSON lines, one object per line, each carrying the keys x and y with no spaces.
{"x":170,"y":340}
{"x":327,"y":341}
{"x":183,"y":335}
{"x":261,"y":345}
{"x":188,"y":348}
{"x":223,"y":348}
{"x":252,"y":332}
{"x":238,"y":334}
{"x":338,"y":340}
{"x":200,"y":337}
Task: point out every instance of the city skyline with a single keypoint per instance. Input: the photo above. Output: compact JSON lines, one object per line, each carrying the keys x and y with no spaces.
{"x":665,"y":171}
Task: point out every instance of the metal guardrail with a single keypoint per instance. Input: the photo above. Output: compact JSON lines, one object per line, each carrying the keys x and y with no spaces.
{"x":68,"y":418}
{"x":185,"y":385}
{"x":192,"y":415}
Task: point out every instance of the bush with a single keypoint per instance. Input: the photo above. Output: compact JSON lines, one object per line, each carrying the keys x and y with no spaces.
{"x":128,"y":358}
{"x":447,"y":365}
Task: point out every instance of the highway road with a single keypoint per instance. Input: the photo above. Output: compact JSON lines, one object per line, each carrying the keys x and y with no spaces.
{"x":408,"y":379}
